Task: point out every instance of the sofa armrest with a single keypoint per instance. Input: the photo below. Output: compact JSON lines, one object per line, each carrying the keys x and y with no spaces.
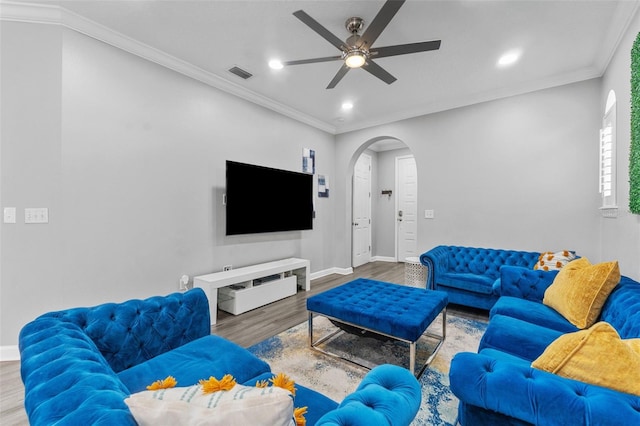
{"x":534,"y":396}
{"x":388,"y":395}
{"x":66,"y":379}
{"x":525,"y":283}
{"x":436,"y":260}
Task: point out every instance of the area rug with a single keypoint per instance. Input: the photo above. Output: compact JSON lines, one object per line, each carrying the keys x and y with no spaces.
{"x":289,"y":353}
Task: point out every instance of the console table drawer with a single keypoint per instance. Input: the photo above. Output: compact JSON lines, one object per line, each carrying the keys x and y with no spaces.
{"x":240,"y":300}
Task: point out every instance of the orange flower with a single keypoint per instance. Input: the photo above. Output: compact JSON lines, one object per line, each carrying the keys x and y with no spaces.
{"x":283,"y":381}
{"x":215,"y":385}
{"x":298,"y":414}
{"x":169,"y":382}
{"x":262,"y":384}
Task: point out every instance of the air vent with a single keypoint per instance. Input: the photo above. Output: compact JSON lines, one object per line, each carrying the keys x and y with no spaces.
{"x":240,"y":73}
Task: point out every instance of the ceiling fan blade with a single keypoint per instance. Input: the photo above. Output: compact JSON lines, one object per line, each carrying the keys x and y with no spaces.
{"x":313,"y":61}
{"x":378,"y":71}
{"x":318,"y":28}
{"x":341,"y":73}
{"x":380,"y":22}
{"x":403,"y":49}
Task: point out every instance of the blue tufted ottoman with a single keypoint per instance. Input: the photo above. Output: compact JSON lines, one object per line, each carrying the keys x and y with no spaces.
{"x":392,"y":310}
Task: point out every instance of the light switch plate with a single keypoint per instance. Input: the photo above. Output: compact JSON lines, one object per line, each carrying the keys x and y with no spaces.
{"x":9,"y":215}
{"x":429,"y":214}
{"x":36,"y":215}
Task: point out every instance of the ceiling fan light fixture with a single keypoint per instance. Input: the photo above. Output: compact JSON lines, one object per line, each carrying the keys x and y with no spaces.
{"x":355,"y":58}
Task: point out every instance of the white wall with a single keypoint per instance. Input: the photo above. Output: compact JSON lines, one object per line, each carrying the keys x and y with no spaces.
{"x":129,"y":158}
{"x":620,"y":237}
{"x":517,"y":173}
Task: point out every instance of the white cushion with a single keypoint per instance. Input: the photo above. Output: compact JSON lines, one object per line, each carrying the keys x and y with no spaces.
{"x":242,"y":405}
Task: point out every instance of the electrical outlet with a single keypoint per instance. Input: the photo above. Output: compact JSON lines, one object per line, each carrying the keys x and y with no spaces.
{"x":9,"y":215}
{"x":227,"y":267}
{"x":184,"y":282}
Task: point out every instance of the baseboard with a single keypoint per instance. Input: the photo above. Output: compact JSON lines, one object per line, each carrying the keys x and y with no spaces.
{"x":383,"y":259}
{"x":9,"y":353}
{"x":334,"y":270}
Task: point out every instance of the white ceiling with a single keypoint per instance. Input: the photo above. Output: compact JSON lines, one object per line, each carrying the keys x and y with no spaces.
{"x":561,"y":42}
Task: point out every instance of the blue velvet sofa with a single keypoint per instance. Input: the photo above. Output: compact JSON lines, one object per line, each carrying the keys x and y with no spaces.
{"x":470,"y":275}
{"x":498,"y":386}
{"x":79,"y":365}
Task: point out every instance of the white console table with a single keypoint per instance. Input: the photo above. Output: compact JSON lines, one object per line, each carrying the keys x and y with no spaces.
{"x":254,"y":286}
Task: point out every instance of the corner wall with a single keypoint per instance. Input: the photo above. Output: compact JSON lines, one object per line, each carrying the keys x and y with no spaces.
{"x":620,"y":236}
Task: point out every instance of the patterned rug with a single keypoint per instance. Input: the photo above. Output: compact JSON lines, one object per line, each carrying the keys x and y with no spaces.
{"x":289,"y":353}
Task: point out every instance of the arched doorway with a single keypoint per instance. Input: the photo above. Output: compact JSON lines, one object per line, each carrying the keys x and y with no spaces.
{"x":384,"y":202}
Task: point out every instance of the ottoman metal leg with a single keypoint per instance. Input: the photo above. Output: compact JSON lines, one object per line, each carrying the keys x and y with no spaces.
{"x":440,"y":339}
{"x":412,"y":345}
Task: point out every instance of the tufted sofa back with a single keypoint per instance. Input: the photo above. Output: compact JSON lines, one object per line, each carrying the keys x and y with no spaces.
{"x":69,"y":359}
{"x":480,"y":261}
{"x":135,"y":331}
{"x":622,"y":308}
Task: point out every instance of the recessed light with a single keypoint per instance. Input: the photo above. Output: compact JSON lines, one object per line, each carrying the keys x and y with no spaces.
{"x":347,"y":106}
{"x":509,"y":58}
{"x":275,"y":64}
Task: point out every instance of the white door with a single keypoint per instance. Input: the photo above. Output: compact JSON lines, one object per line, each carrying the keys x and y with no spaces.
{"x":406,"y":208}
{"x":361,"y":220}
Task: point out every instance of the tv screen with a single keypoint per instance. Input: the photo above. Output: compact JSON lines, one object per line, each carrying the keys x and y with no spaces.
{"x":263,"y":199}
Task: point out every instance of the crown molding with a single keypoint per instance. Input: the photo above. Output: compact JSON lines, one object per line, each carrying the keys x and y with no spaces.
{"x":56,"y":15}
{"x":471,"y":99}
{"x":620,"y":24}
{"x":624,"y":15}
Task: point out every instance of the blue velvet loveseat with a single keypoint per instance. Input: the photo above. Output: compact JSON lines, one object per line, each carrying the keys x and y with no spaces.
{"x":470,"y":275}
{"x":79,"y":365}
{"x":498,"y":385}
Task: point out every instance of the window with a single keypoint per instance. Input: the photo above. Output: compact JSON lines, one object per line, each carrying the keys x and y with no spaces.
{"x":608,"y":158}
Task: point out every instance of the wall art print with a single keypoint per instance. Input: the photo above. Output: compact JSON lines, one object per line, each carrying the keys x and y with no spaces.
{"x":323,"y":186}
{"x":308,"y":161}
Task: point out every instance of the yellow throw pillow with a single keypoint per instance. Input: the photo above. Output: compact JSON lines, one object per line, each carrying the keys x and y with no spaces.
{"x":580,"y":289}
{"x":597,"y":356}
{"x":549,"y":261}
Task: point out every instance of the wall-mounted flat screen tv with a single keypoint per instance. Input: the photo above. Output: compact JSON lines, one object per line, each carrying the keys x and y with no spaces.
{"x":263,"y":199}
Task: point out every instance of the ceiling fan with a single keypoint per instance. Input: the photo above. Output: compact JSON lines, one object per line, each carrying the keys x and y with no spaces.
{"x":357,"y":50}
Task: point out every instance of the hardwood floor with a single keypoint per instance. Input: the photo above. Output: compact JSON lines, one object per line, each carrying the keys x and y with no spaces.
{"x":256,"y":325}
{"x":246,"y":329}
